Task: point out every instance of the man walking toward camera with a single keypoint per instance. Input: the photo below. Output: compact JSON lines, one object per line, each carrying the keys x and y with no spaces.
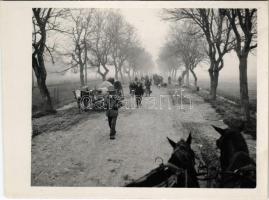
{"x":113,"y":104}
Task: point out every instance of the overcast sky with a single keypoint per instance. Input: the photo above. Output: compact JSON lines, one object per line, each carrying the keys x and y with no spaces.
{"x":152,"y":32}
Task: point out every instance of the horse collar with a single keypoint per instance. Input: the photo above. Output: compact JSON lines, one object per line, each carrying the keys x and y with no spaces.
{"x":179,"y":171}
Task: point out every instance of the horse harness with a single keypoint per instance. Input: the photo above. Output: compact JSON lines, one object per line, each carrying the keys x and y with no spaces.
{"x":239,"y":172}
{"x":174,"y":178}
{"x":177,"y":171}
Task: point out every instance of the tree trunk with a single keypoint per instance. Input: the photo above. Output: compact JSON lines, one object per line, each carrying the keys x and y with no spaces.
{"x":175,"y":77}
{"x":183,"y":75}
{"x":81,"y":67}
{"x":172,"y":73}
{"x":214,"y":78}
{"x":41,"y":75}
{"x":86,"y":74}
{"x":116,"y":72}
{"x":103,"y":75}
{"x":129,"y":74}
{"x":121,"y":75}
{"x":188,"y":78}
{"x":195,"y":77}
{"x":244,"y":98}
{"x":85,"y":61}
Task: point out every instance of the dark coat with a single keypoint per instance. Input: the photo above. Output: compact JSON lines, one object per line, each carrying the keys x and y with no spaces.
{"x":139,"y":91}
{"x":113,"y":102}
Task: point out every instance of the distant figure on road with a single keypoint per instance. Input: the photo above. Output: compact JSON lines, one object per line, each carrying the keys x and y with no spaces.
{"x":113,"y":103}
{"x":169,"y":80}
{"x":139,"y":92}
{"x":179,"y":81}
{"x":132,"y":86}
{"x":147,"y":86}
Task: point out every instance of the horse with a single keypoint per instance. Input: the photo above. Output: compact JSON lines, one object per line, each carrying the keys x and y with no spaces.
{"x":178,"y":172}
{"x":238,"y":170}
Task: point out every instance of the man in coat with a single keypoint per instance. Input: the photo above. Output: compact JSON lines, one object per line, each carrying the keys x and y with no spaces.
{"x":112,"y":103}
{"x":139,"y":92}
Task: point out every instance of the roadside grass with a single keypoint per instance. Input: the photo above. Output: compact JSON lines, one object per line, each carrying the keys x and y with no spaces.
{"x":231,"y":113}
{"x":227,"y":104}
{"x":230,"y":90}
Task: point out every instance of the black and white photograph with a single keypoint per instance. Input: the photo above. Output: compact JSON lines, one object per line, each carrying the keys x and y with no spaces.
{"x":118,"y":101}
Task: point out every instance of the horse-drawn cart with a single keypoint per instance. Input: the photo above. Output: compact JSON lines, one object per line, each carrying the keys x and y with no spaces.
{"x":94,"y":99}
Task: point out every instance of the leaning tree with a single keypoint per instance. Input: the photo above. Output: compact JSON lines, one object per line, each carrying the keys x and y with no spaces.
{"x":41,"y":23}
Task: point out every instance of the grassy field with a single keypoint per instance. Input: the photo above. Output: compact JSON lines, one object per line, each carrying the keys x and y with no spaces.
{"x":61,"y":94}
{"x":231,"y":90}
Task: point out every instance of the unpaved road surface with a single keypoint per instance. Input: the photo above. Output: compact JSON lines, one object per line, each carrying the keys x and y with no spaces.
{"x":83,"y":155}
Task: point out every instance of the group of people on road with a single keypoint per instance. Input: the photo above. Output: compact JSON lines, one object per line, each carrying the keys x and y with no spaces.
{"x":139,"y":88}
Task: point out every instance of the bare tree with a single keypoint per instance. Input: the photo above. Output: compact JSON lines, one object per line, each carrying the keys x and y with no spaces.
{"x":243,"y":23}
{"x":217,"y":31}
{"x":168,"y":60}
{"x":132,"y":61}
{"x":41,"y":19}
{"x":182,"y":48}
{"x":100,"y":45}
{"x":139,"y":61}
{"x":80,"y":34}
{"x":122,"y":39}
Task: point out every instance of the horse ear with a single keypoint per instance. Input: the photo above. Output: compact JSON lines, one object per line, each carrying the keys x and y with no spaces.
{"x":189,"y":139}
{"x":219,"y":130}
{"x":172,"y":143}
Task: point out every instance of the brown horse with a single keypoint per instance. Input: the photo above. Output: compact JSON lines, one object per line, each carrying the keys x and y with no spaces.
{"x":237,"y":168}
{"x":178,"y":172}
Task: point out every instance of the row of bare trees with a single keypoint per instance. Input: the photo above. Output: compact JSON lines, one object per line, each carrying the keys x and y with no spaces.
{"x":183,"y":49}
{"x":223,"y":30}
{"x":99,"y":39}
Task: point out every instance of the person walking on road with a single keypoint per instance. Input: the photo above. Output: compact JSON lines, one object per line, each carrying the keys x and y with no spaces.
{"x":147,"y":86}
{"x":139,"y":92}
{"x":113,"y":103}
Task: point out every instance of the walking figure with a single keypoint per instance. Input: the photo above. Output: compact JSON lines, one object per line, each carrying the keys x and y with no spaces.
{"x":169,"y":80}
{"x":139,"y":92}
{"x":147,"y":86}
{"x":180,"y":81}
{"x":113,"y":103}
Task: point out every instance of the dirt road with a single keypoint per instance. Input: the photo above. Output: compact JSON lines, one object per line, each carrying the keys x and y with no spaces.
{"x":83,"y":155}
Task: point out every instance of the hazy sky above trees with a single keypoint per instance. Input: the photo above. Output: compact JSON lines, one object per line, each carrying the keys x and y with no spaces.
{"x":152,"y":31}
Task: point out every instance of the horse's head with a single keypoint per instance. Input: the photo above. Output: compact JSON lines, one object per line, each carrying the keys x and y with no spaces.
{"x":182,"y":156}
{"x":230,"y":142}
